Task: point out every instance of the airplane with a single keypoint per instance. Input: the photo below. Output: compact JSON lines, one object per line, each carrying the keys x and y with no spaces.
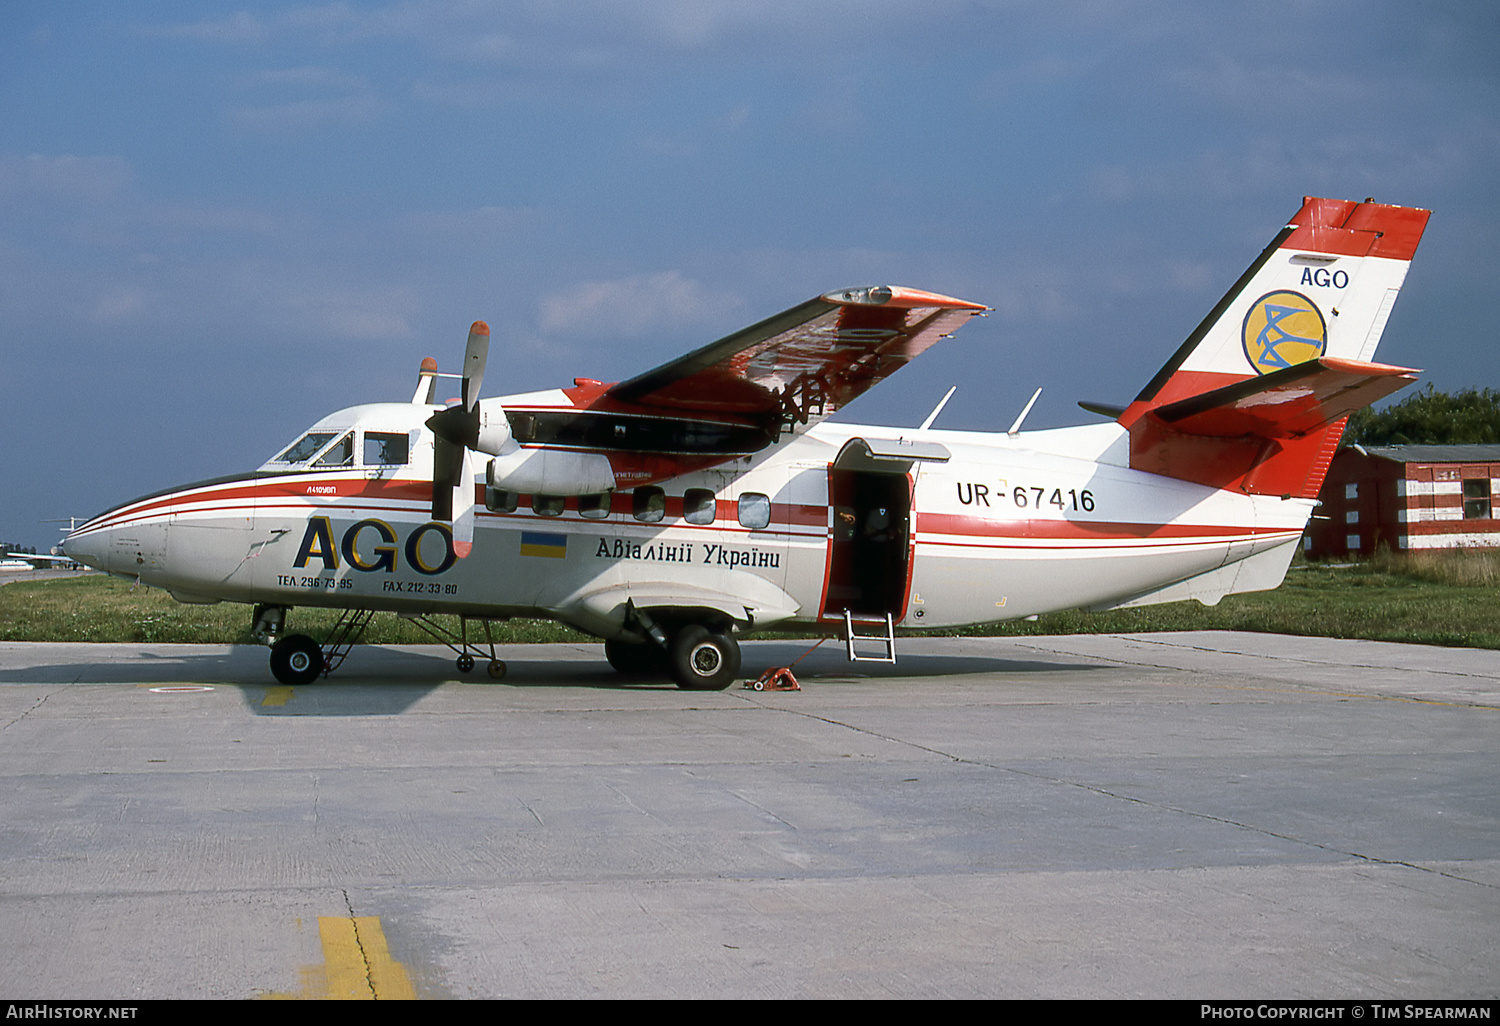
{"x":32,"y":561}
{"x":668,"y":513}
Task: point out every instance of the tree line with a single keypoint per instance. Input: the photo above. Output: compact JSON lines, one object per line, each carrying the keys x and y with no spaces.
{"x":1430,"y":417}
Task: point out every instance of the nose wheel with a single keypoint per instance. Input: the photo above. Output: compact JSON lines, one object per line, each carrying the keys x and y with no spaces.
{"x":296,"y":660}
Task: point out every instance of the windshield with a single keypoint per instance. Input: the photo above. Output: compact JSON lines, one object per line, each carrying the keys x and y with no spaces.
{"x":341,"y":455}
{"x":305,"y":447}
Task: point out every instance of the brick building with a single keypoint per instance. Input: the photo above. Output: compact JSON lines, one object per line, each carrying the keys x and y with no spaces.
{"x":1407,"y":497}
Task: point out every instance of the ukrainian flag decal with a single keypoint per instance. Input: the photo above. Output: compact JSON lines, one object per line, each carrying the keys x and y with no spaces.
{"x":534,"y":543}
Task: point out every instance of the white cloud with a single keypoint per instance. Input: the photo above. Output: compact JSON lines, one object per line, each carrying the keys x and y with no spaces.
{"x":633,"y":306}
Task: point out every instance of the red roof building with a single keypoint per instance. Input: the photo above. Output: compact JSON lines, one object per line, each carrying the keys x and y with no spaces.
{"x":1407,"y":497}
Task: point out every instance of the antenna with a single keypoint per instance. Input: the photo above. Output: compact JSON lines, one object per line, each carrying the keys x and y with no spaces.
{"x":1015,"y":428}
{"x":937,"y":409}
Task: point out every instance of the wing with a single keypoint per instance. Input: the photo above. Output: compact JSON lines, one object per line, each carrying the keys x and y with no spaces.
{"x":796,"y":368}
{"x":735,"y":397}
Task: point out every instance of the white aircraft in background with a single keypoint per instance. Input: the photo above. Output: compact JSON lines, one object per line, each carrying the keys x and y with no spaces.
{"x":667,"y":513}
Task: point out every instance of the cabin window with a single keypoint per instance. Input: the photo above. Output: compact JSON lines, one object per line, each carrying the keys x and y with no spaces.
{"x":594,"y":507}
{"x":649,"y":505}
{"x":498,"y":500}
{"x":386,"y":449}
{"x":305,"y":447}
{"x":547,"y":505}
{"x":698,"y":506}
{"x":340,"y":455}
{"x":1477,"y":498}
{"x":755,"y":511}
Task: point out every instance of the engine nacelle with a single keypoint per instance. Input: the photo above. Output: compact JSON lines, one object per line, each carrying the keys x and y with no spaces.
{"x":550,"y":472}
{"x":494,"y":437}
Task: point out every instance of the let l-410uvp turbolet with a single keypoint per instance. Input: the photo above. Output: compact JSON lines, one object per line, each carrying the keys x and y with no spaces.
{"x":665,"y":513}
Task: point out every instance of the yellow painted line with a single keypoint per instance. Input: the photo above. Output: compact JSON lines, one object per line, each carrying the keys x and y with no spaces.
{"x":276,"y":696}
{"x":357,"y":965}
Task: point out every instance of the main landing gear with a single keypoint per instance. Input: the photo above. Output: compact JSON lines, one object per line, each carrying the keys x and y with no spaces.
{"x":696,"y":657}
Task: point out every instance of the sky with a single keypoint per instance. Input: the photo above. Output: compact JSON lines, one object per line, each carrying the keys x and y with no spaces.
{"x":220,"y":222}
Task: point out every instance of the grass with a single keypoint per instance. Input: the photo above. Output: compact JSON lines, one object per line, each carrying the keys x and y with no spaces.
{"x":1370,"y":601}
{"x":1444,"y":598}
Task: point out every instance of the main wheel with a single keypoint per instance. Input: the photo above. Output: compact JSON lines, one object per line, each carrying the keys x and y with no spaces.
{"x":630,"y":658}
{"x":296,"y":660}
{"x":465,"y":663}
{"x":704,"y":661}
{"x":496,"y":669}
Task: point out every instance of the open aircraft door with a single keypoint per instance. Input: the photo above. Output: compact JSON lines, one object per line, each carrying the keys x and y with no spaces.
{"x":870,"y":532}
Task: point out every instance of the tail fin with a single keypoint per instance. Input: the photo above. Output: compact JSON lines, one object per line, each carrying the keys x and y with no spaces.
{"x":1257,"y":396}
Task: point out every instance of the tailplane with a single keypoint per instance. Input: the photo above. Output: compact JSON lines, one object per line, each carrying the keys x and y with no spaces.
{"x":1257,"y":397}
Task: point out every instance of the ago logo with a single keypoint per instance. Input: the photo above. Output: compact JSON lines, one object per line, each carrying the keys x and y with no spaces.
{"x":1283,"y":329}
{"x":371,"y":545}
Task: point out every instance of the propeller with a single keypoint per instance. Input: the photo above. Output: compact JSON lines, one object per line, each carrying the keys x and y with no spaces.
{"x":455,"y":431}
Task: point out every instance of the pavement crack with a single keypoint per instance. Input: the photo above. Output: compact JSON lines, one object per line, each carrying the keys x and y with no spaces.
{"x":1116,"y":796}
{"x":27,"y":712}
{"x":359,"y":945}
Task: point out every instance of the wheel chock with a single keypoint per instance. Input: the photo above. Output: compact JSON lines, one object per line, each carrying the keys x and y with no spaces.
{"x":777,"y":678}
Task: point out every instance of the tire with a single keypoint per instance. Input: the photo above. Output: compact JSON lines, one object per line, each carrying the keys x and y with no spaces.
{"x":464,"y":663}
{"x":704,"y":661}
{"x":296,"y":660}
{"x":496,"y":669}
{"x":632,"y":659}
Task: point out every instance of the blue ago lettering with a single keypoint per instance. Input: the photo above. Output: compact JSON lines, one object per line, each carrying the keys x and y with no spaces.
{"x":370,"y":546}
{"x":1322,"y":276}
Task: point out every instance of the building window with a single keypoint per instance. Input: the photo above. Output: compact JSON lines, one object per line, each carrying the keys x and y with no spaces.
{"x":1351,"y":517}
{"x":1351,"y":542}
{"x":1351,"y":491}
{"x":1477,"y":498}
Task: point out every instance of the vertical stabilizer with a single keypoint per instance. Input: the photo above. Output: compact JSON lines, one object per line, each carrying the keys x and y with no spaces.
{"x":1302,"y":321}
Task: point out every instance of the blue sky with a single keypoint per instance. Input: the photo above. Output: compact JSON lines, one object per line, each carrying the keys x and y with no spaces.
{"x":219,"y":222}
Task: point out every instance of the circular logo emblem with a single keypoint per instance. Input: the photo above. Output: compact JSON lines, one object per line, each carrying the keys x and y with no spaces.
{"x":1283,"y":329}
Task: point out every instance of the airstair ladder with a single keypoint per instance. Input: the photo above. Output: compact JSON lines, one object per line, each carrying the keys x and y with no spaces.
{"x":886,"y":640}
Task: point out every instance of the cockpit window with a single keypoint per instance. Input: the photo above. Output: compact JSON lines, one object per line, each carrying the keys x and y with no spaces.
{"x":305,"y":447}
{"x":341,"y":455}
{"x":385,"y":450}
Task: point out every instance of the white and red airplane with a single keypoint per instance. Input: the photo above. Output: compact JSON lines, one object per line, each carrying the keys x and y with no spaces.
{"x":666,"y":513}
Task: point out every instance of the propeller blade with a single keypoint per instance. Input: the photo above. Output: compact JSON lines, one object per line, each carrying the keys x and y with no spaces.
{"x":475,"y":355}
{"x":456,"y":432}
{"x":462,"y":501}
{"x":448,"y":461}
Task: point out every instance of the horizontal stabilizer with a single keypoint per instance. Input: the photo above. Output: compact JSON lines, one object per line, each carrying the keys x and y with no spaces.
{"x":1286,"y":403}
{"x":1109,"y":410}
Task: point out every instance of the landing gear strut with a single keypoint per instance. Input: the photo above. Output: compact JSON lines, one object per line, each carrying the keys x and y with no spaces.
{"x":461,"y":644}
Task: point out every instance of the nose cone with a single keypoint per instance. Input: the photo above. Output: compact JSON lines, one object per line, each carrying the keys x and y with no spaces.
{"x":91,"y":547}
